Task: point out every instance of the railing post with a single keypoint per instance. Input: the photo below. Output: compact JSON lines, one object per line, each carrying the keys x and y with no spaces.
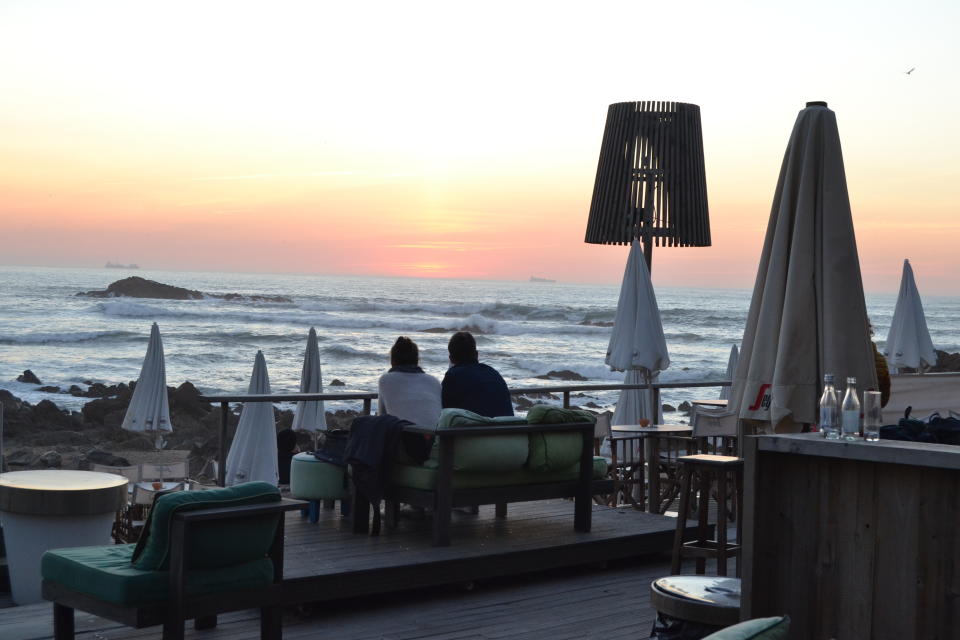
{"x":222,"y":462}
{"x":566,"y":399}
{"x":655,"y":400}
{"x":366,"y":406}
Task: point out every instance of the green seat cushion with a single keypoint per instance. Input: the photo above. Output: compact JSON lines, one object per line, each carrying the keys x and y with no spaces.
{"x":552,"y":451}
{"x":106,"y":573}
{"x":213,"y":544}
{"x":425,"y":476}
{"x":483,"y":453}
{"x":776,"y":628}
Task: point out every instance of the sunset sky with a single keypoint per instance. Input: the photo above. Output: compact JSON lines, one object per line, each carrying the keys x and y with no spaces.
{"x":455,"y":139}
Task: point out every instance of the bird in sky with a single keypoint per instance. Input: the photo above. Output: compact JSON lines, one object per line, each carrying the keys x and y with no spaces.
{"x":909,"y":72}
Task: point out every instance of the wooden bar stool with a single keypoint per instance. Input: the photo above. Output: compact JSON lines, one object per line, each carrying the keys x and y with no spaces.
{"x":708,"y":468}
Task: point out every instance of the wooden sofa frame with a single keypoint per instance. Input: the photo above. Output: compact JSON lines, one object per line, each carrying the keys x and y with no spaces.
{"x":173,"y":613}
{"x":444,"y":498}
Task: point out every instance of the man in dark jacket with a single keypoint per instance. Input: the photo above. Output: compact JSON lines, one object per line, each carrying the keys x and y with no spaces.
{"x":473,"y":386}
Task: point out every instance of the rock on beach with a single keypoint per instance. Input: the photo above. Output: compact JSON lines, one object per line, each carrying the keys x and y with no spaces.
{"x":137,"y":287}
{"x":43,"y":436}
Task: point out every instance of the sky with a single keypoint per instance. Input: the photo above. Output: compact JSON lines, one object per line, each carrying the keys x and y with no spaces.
{"x":460,"y":140}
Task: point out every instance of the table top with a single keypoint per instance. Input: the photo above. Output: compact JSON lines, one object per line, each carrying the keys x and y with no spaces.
{"x":61,"y":492}
{"x":652,"y":429}
{"x":716,"y":402}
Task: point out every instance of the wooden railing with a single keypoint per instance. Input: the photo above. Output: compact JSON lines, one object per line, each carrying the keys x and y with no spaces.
{"x":368,"y":398}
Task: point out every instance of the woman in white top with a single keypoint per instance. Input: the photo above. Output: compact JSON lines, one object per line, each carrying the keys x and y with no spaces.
{"x":406,"y":391}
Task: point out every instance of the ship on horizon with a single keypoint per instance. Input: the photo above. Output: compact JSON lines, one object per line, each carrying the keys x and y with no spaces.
{"x":536,"y":279}
{"x":114,"y":265}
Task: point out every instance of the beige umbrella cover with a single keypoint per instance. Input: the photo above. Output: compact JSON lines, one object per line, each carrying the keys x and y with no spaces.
{"x":807,"y":315}
{"x":149,"y":409}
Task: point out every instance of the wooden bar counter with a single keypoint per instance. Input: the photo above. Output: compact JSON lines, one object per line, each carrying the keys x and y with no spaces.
{"x":852,"y":540}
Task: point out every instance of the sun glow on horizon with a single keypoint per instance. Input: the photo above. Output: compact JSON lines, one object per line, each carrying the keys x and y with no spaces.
{"x":396,"y":139}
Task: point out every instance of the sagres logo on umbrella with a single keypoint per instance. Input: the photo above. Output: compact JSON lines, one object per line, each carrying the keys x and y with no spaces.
{"x":762,"y":399}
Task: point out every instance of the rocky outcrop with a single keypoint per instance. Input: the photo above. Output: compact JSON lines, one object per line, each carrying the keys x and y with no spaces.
{"x":45,"y":436}
{"x":29,"y":377}
{"x":137,"y":287}
{"x":564,"y":374}
{"x":946,"y":362}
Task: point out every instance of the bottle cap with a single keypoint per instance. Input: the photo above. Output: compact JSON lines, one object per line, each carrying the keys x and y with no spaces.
{"x":851,"y":380}
{"x":828,"y":377}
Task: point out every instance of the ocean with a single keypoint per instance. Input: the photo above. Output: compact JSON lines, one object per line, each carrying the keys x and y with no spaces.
{"x":524,"y":329}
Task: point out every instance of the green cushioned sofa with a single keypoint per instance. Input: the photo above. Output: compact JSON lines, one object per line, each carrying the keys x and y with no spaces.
{"x":478,"y":460}
{"x":201,"y":553}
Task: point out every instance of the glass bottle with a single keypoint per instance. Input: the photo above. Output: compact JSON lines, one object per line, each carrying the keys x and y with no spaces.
{"x":829,"y":420}
{"x":850,"y":412}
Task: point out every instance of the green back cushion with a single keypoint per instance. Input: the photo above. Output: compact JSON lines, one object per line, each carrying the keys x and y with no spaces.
{"x":483,"y":453}
{"x":553,"y":451}
{"x":213,"y":544}
{"x":776,"y":628}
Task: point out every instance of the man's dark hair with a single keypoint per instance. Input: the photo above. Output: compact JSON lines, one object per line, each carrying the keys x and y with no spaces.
{"x":404,"y":352}
{"x":462,"y":347}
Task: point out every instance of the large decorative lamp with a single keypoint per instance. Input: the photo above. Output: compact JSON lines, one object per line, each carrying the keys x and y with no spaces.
{"x":651,"y":183}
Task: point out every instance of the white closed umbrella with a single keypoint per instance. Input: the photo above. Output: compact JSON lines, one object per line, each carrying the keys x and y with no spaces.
{"x":908,"y":342}
{"x":310,"y":415}
{"x":807,"y":315}
{"x":253,"y":453}
{"x":149,"y":409}
{"x":637,"y":344}
{"x":731,"y":370}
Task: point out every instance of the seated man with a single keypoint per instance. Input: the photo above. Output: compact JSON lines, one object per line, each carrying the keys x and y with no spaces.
{"x":406,"y":391}
{"x":470,"y":385}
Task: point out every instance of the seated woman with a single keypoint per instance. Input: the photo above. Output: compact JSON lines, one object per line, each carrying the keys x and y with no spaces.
{"x":406,"y":391}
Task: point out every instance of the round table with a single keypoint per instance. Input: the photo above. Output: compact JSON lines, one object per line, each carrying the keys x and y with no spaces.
{"x":50,"y":509}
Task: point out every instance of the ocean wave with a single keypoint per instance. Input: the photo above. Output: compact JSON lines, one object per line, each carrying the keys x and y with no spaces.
{"x":475,"y":323}
{"x":686,"y":336}
{"x":68,"y":337}
{"x":340,"y":350}
{"x":493,"y":310}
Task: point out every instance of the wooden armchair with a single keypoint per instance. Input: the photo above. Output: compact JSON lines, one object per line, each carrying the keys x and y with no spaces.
{"x":203,"y":553}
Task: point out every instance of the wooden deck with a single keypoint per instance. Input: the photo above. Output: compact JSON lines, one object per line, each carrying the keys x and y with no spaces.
{"x":528,"y":572}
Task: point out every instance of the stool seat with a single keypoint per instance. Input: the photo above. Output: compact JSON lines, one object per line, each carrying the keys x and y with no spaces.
{"x":702,"y":599}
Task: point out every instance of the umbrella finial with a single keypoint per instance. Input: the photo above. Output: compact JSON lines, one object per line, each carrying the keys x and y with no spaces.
{"x":817,"y":103}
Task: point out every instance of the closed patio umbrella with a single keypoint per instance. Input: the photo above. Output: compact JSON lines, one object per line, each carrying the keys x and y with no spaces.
{"x":310,"y":415}
{"x":731,"y":370}
{"x":908,"y":342}
{"x":149,"y":409}
{"x":637,"y":344}
{"x":807,"y":316}
{"x":253,"y":453}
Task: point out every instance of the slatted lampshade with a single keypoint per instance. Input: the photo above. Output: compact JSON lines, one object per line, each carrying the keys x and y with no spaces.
{"x":650,"y":183}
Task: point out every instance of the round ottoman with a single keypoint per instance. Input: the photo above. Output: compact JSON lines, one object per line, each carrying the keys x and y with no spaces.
{"x":696,"y":603}
{"x":319,"y":482}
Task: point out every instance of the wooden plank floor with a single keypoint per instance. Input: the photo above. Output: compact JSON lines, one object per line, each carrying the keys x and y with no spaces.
{"x":528,"y":573}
